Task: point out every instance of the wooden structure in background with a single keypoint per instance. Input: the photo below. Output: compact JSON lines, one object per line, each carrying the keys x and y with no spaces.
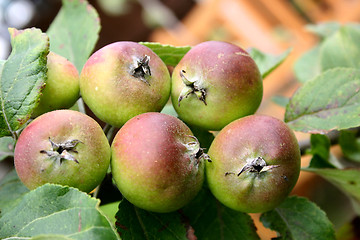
{"x":271,"y":26}
{"x":329,"y":10}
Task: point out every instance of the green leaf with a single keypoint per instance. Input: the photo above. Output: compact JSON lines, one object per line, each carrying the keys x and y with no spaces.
{"x":350,"y":145}
{"x":280,"y":100}
{"x":54,"y":209}
{"x":325,"y":29}
{"x":110,"y":210}
{"x":50,"y":237}
{"x":341,"y":49}
{"x":23,"y":76}
{"x":346,"y":180}
{"x":170,"y":55}
{"x":2,"y":62}
{"x":308,"y":65}
{"x":298,"y":218}
{"x":75,"y":31}
{"x":11,"y":191}
{"x":6,"y":147}
{"x":42,"y":237}
{"x":268,"y":62}
{"x":169,"y":110}
{"x":320,"y":149}
{"x":135,"y":223}
{"x":328,"y":102}
{"x":211,"y":220}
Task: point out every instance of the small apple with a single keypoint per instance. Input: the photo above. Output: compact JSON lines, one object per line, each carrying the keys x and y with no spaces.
{"x":63,"y":147}
{"x":122,"y":80}
{"x":214,"y":84}
{"x":157,"y":163}
{"x":62,"y":85}
{"x":255,"y":164}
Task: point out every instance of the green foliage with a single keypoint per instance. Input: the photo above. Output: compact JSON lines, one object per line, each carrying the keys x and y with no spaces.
{"x":328,"y":100}
{"x":346,"y":180}
{"x":298,"y":218}
{"x":23,"y":76}
{"x":350,"y":145}
{"x":169,"y":109}
{"x":318,"y":109}
{"x":338,"y":48}
{"x":325,"y":29}
{"x":171,"y":55}
{"x":206,"y":216}
{"x":308,"y":65}
{"x":109,"y":210}
{"x":341,"y":49}
{"x":75,"y":31}
{"x":6,"y":147}
{"x":11,"y":191}
{"x":211,"y":220}
{"x":50,"y":237}
{"x":280,"y":100}
{"x":320,"y":149}
{"x":267,"y":62}
{"x":53,"y":209}
{"x":42,"y":237}
{"x":135,"y":223}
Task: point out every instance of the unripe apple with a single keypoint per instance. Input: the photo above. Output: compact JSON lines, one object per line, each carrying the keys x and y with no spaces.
{"x":63,"y":147}
{"x":157,"y":163}
{"x":255,"y":164}
{"x":122,"y":80}
{"x":62,"y":85}
{"x":214,"y":84}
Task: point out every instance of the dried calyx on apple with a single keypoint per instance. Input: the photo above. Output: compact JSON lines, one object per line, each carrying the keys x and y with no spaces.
{"x":192,"y":86}
{"x":215,"y":77}
{"x":195,"y":151}
{"x":157,"y":163}
{"x":122,"y":80}
{"x":62,"y":151}
{"x":141,"y":69}
{"x":63,"y":147}
{"x":255,"y":165}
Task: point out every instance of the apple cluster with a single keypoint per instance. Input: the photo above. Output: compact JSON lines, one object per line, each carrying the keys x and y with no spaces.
{"x":155,"y":160}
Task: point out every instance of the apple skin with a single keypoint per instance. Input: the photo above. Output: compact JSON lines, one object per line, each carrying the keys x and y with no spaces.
{"x":36,"y":168}
{"x":151,"y":164}
{"x":109,"y":88}
{"x":246,"y":139}
{"x":230,"y":77}
{"x":62,"y":88}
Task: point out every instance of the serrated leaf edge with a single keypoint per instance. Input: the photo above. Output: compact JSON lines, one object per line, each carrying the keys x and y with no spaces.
{"x":96,"y":206}
{"x":315,"y":131}
{"x":303,"y":199}
{"x":13,"y":33}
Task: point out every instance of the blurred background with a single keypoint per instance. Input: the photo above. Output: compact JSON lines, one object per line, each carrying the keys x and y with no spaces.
{"x":271,"y":26}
